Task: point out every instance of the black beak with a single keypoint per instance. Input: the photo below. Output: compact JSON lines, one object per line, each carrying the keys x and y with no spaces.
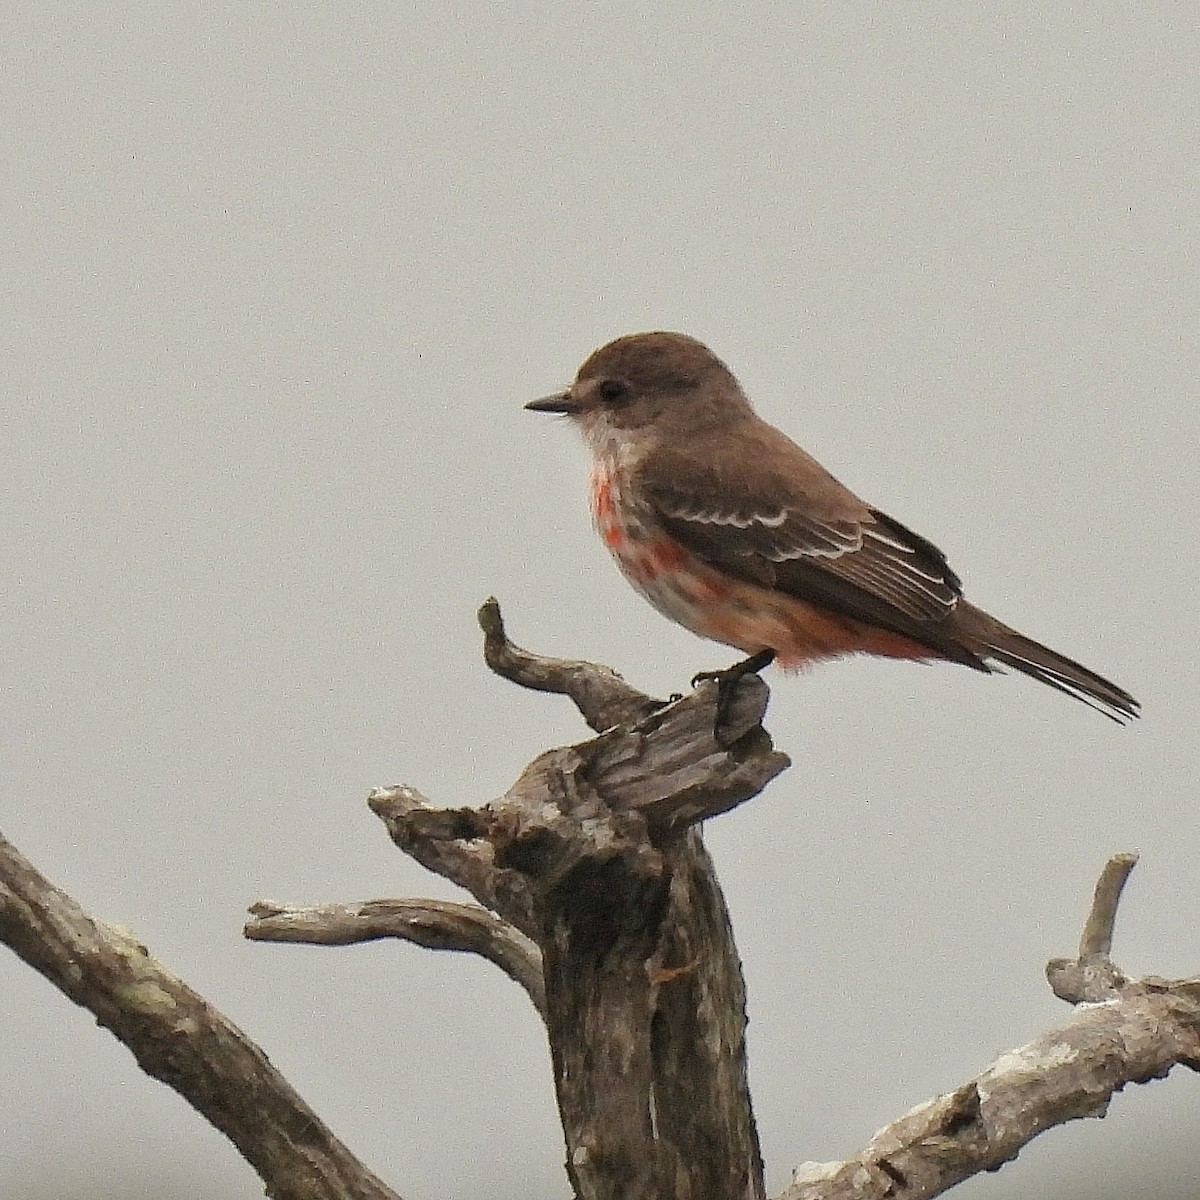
{"x":560,"y":402}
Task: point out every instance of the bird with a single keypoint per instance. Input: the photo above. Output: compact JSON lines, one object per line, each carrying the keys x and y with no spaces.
{"x":727,"y":527}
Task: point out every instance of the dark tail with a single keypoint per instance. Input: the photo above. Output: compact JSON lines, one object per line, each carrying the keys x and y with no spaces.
{"x":996,"y":642}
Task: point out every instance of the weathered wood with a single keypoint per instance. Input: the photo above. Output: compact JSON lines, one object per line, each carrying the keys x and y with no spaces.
{"x":434,"y":924}
{"x":599,"y":898}
{"x":1127,"y":1031}
{"x":179,"y":1038}
{"x":594,"y":855}
{"x":601,"y":695}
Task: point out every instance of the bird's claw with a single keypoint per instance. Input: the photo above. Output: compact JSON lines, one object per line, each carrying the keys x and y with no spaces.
{"x":727,"y":681}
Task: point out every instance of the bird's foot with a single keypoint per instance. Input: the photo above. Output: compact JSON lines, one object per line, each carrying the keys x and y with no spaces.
{"x":727,"y":682}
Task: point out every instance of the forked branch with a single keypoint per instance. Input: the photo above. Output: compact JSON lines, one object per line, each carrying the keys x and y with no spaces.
{"x":1126,"y":1031}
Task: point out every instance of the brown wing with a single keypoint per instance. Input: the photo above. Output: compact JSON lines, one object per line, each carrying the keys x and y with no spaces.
{"x":771,"y":514}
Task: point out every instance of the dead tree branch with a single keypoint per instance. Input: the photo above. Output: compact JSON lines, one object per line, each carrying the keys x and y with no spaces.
{"x":178,"y":1038}
{"x":603,"y":698}
{"x":594,"y":855}
{"x":608,"y":912}
{"x":434,"y":924}
{"x":1127,"y":1031}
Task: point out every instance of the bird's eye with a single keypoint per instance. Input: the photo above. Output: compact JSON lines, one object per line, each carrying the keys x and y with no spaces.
{"x":612,"y":390}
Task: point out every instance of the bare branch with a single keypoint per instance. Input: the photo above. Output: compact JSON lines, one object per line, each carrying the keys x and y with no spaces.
{"x":434,"y":924}
{"x":600,"y":900}
{"x":1098,"y":930}
{"x":603,"y":698}
{"x":178,"y":1038}
{"x":1093,"y":977}
{"x":1068,"y":1073}
{"x":449,"y":842}
{"x":593,"y":854}
{"x":1131,"y":1031}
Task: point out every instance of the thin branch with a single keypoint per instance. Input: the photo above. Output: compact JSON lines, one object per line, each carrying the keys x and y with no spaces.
{"x":449,"y":843}
{"x":1130,"y":1031}
{"x":434,"y":924}
{"x":603,"y":698}
{"x":1068,"y":1073}
{"x":1093,"y":977}
{"x":1097,"y":936}
{"x":178,"y":1038}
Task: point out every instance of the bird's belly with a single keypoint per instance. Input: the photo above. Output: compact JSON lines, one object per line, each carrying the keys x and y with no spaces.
{"x":723,"y":608}
{"x":683,"y":588}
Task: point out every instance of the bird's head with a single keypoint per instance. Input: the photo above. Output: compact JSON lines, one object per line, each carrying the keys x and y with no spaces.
{"x":661,"y":385}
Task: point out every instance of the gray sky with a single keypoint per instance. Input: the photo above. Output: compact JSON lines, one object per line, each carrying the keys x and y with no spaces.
{"x":278,"y":280}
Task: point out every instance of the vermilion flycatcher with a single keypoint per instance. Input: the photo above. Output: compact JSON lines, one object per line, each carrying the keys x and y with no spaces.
{"x":726,"y":526}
